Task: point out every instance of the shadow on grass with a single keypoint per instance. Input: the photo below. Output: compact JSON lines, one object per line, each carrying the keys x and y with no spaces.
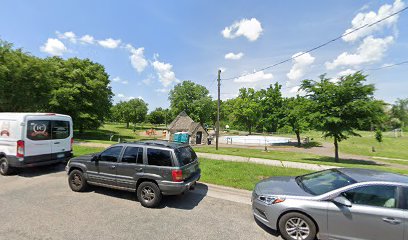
{"x":345,"y":161}
{"x":100,"y":135}
{"x":311,"y":144}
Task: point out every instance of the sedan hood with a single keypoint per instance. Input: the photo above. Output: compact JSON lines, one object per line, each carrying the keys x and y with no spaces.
{"x":280,"y":186}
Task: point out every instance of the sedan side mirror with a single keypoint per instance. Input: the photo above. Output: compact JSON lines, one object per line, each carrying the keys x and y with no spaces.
{"x":342,"y":201}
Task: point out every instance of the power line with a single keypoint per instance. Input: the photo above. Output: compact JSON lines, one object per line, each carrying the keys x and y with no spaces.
{"x":387,"y":66}
{"x":320,"y":46}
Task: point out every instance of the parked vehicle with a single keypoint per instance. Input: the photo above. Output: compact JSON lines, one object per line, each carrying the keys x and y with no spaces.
{"x":150,"y":168}
{"x":341,"y":203}
{"x":34,"y":139}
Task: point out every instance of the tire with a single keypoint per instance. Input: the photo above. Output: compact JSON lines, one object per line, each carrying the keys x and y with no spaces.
{"x":149,"y":194}
{"x":5,"y":168}
{"x":77,"y":181}
{"x":294,"y":226}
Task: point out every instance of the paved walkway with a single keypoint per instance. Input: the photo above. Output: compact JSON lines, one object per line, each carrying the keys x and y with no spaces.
{"x":270,"y":162}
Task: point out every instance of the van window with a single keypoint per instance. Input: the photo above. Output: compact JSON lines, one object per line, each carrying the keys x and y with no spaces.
{"x":60,"y":129}
{"x":38,"y":130}
{"x":158,"y":157}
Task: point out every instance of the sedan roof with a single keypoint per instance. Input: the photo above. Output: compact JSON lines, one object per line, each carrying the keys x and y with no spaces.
{"x":367,"y":175}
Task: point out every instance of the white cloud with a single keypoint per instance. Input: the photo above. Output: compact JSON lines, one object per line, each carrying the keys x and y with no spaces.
{"x":362,"y":19}
{"x":165,"y":73}
{"x":109,"y":43}
{"x":233,"y":56}
{"x":162,"y":90}
{"x":148,"y":80}
{"x":87,"y":39}
{"x":120,"y":95}
{"x":137,"y":58}
{"x":255,"y":77}
{"x":124,"y":82}
{"x":294,"y":89}
{"x":371,"y":50}
{"x":223,"y":69}
{"x":251,"y":29}
{"x":300,"y":65}
{"x":67,"y":35}
{"x":116,"y":79}
{"x":54,"y":47}
{"x":346,"y":72}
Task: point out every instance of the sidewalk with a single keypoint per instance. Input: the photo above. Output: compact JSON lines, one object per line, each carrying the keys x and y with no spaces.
{"x":277,"y":163}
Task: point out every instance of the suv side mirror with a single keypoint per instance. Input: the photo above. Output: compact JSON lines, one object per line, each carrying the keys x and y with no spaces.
{"x":95,"y":158}
{"x":342,"y":201}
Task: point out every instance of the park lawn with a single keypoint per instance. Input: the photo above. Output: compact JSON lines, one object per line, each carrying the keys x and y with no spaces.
{"x":81,"y":150}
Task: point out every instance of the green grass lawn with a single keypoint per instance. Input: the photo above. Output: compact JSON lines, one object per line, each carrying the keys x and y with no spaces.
{"x":231,"y":174}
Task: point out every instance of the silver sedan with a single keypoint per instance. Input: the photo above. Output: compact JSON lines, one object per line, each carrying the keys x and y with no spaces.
{"x":344,"y":203}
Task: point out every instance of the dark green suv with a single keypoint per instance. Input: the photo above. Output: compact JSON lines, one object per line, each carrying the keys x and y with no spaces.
{"x":149,"y":168}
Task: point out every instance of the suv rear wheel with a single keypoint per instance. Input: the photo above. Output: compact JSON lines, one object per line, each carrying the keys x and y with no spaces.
{"x":148,"y":194}
{"x":5,"y":168}
{"x":77,"y":181}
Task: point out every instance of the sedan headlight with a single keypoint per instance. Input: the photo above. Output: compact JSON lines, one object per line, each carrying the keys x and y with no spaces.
{"x":269,"y":200}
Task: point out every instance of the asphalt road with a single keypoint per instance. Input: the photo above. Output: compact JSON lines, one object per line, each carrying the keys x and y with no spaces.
{"x":38,"y":204}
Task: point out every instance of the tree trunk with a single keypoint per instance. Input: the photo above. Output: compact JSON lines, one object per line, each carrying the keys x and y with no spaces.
{"x":250,"y":129}
{"x":127,"y":124}
{"x":336,"y":150}
{"x":298,"y":138}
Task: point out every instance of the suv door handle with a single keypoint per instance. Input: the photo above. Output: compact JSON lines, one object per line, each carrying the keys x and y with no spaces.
{"x":391,"y":220}
{"x":113,"y":167}
{"x":139,"y":169}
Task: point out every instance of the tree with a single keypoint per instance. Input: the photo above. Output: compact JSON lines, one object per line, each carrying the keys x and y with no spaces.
{"x":247,"y":109}
{"x":297,"y":115}
{"x":400,"y":111}
{"x":133,"y":111}
{"x":192,"y":98}
{"x":339,"y":106}
{"x":271,"y":101}
{"x":81,"y":90}
{"x":158,"y":116}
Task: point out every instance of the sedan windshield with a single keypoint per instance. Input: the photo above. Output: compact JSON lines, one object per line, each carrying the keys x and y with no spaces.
{"x":324,"y":181}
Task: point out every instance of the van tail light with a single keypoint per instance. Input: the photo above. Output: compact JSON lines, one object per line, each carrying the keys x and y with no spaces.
{"x":20,"y":149}
{"x":177,"y":175}
{"x":72,"y":144}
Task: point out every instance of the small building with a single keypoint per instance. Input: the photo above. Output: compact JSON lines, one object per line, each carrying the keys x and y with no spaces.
{"x":183,"y":123}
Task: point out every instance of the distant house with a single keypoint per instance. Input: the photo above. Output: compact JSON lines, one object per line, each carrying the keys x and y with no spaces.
{"x":183,"y":123}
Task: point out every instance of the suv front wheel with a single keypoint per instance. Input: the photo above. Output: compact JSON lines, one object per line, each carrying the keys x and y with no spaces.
{"x":148,"y":194}
{"x":77,"y":181}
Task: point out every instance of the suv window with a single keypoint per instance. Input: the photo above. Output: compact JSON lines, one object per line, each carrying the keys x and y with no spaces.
{"x":38,"y":130}
{"x":378,"y":196}
{"x":110,"y":154}
{"x":60,"y":129}
{"x":133,"y":155}
{"x":159,"y":157}
{"x":185,"y":155}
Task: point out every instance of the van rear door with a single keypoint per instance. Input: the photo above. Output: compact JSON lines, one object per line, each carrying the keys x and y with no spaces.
{"x":37,"y":139}
{"x":61,"y":134}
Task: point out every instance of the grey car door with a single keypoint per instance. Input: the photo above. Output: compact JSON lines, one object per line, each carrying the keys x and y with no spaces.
{"x":374,"y":214}
{"x":130,"y":168}
{"x":103,"y":170}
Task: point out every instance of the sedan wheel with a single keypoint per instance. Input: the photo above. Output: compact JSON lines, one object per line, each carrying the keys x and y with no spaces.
{"x":297,"y":226}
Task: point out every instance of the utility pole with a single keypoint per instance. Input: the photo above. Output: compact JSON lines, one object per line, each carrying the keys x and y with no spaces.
{"x":217,"y":131}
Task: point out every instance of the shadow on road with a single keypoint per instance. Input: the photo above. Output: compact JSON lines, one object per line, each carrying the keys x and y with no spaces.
{"x":266,"y":229}
{"x":39,"y":171}
{"x":186,"y":201}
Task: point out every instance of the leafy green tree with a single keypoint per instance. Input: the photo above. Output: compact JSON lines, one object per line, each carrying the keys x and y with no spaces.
{"x":247,"y":109}
{"x":297,"y":115}
{"x":339,"y":106}
{"x":133,"y":111}
{"x":81,"y":90}
{"x":158,"y":116}
{"x":271,"y":101}
{"x":400,"y":111}
{"x":192,"y":98}
{"x":25,"y":81}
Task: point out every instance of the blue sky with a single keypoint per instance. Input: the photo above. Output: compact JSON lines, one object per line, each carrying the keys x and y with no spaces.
{"x":149,"y":46}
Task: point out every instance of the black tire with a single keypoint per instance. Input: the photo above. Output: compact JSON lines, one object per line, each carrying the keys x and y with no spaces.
{"x":77,"y":181}
{"x":5,"y":168}
{"x":149,"y":194}
{"x":294,"y":225}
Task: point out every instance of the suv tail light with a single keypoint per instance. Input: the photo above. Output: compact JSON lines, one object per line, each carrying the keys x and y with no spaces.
{"x":20,"y":148}
{"x":72,"y":144}
{"x":177,"y":175}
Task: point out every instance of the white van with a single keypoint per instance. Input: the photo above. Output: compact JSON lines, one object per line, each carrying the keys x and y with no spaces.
{"x":34,"y":139}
